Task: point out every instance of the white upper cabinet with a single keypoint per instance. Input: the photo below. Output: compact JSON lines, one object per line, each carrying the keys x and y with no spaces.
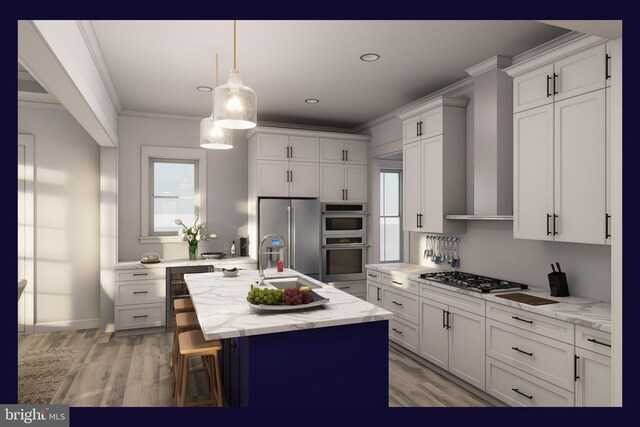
{"x":304,"y":149}
{"x":272,"y":147}
{"x":273,"y":178}
{"x":580,"y":73}
{"x":411,"y":185}
{"x":533,"y":89}
{"x":344,"y":151}
{"x":608,"y":188}
{"x":608,"y":70}
{"x":331,"y":150}
{"x":431,"y":123}
{"x":304,"y":179}
{"x":432,"y":185}
{"x":356,"y":152}
{"x":331,"y":182}
{"x":355,"y":183}
{"x":411,"y":129}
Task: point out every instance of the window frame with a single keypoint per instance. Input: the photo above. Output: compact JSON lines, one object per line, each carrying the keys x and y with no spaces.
{"x":168,"y":154}
{"x":380,"y":216}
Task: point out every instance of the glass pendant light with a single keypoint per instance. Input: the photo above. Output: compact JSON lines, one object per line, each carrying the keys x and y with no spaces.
{"x":212,"y":136}
{"x":235,"y":106}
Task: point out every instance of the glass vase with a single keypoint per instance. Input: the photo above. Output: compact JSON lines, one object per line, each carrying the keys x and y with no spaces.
{"x":193,"y":252}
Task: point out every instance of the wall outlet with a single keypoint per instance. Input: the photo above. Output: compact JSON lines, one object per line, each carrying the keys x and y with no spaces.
{"x":226,"y":246}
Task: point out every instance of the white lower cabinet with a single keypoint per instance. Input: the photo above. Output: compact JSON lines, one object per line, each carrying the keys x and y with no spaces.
{"x":434,"y":336}
{"x":374,"y":288}
{"x":404,"y":333}
{"x":593,"y":378}
{"x":140,"y":296}
{"x":139,"y":316}
{"x":518,"y":388}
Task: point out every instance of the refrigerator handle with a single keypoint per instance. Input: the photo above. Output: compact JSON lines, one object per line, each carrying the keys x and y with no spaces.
{"x":288,"y":235}
{"x":293,"y":237}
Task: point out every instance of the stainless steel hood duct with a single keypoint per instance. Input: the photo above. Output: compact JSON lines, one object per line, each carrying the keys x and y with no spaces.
{"x":492,"y":142}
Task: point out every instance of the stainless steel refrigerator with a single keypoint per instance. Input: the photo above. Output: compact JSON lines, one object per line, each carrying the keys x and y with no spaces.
{"x":298,"y":221}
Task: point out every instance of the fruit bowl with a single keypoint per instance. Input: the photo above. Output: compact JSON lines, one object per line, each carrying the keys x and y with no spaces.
{"x":279,"y":303}
{"x":230,"y":272}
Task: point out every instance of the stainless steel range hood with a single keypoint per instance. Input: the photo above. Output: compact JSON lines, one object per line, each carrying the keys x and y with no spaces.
{"x":492,"y":165}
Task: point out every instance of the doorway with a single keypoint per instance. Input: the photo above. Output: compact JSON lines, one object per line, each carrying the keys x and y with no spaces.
{"x":26,"y":232}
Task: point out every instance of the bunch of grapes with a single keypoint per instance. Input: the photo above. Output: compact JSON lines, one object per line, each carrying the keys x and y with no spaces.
{"x":295,"y":296}
{"x":264,"y":296}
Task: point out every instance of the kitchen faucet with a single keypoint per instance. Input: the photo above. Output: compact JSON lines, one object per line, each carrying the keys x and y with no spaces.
{"x":275,"y":242}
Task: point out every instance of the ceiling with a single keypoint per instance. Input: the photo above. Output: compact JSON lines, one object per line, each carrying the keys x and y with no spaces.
{"x":607,"y":29}
{"x":156,"y":65}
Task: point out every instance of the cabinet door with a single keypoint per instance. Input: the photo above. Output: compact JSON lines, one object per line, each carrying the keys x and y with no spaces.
{"x":431,"y":123}
{"x":533,"y":173}
{"x":593,"y":387}
{"x":355,"y":183}
{"x":304,"y":149}
{"x":374,"y":293}
{"x":272,"y":178}
{"x":410,"y":129}
{"x":580,"y":168}
{"x":608,"y":187}
{"x":411,"y":185}
{"x":608,"y":70}
{"x":331,"y":150}
{"x":304,"y":179}
{"x":432,"y":185}
{"x":272,"y":147}
{"x":467,"y":346}
{"x":434,"y":336}
{"x":533,"y":89}
{"x":356,"y":152}
{"x":580,"y":73}
{"x":331,"y":183}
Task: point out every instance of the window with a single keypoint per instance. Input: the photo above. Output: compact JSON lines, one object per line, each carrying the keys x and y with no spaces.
{"x":390,"y":213}
{"x":173,"y":186}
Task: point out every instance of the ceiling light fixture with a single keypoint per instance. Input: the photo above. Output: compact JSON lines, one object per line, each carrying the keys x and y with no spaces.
{"x":370,"y":57}
{"x":234,"y":104}
{"x":311,"y":101}
{"x":212,"y":136}
{"x":204,"y":88}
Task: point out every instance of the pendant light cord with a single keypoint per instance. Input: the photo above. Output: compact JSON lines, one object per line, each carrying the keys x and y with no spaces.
{"x":235,"y":46}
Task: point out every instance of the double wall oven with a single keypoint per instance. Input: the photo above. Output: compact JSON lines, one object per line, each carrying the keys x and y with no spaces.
{"x":344,"y":241}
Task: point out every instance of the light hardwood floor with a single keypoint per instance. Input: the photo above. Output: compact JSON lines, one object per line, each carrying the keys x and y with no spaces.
{"x":135,"y":371}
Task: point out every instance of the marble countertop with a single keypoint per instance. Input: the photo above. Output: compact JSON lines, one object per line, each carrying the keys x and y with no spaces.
{"x":126,"y":265}
{"x":577,"y":310}
{"x":223,"y":311}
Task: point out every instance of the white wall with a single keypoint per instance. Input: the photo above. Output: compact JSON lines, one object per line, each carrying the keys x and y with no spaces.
{"x":67,"y":199}
{"x":226,"y":184}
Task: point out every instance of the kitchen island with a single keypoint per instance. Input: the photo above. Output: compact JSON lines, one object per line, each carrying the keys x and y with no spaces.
{"x":333,"y":355}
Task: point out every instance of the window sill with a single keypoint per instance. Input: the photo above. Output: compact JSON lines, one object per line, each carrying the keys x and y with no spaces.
{"x":160,"y":239}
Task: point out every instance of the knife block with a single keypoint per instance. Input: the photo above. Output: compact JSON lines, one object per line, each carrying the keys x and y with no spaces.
{"x":558,"y":284}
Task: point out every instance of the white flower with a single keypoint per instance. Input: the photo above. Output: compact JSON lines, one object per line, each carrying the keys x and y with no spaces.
{"x":202,"y":226}
{"x":193,"y":230}
{"x":184,"y":237}
{"x":191,"y":237}
{"x":199,"y":238}
{"x":178,"y":221}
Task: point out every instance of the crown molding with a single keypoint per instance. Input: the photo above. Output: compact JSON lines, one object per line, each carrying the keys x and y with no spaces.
{"x":551,"y":44}
{"x":41,"y":105}
{"x":459,"y":88}
{"x":89,"y":35}
{"x":441,"y":101}
{"x":304,"y":127}
{"x":297,"y":131}
{"x":553,"y":54}
{"x":148,"y":115}
{"x":492,"y":63}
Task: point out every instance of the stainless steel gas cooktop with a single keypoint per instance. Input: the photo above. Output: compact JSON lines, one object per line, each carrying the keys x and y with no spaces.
{"x":472,"y":282}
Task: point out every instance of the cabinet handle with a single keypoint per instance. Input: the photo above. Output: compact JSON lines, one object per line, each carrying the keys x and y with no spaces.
{"x":555,"y":84}
{"x":346,"y":194}
{"x":522,"y":351}
{"x":595,"y":341}
{"x":378,"y":293}
{"x":521,"y":393}
{"x":555,"y":217}
{"x":141,"y":292}
{"x":140,"y":317}
{"x":343,"y":194}
{"x":417,"y":220}
{"x":548,"y":89}
{"x":291,"y":172}
{"x":607,"y":62}
{"x":345,"y":287}
{"x":607,"y":217}
{"x":418,"y":128}
{"x":287,"y":151}
{"x":444,"y":323}
{"x":346,"y":155}
{"x":420,"y":216}
{"x":291,"y":151}
{"x":397,"y":303}
{"x":371,"y":275}
{"x":394,"y":329}
{"x":397,"y":283}
{"x":575,"y":367}
{"x":343,"y":155}
{"x":522,"y":320}
{"x":140,"y":274}
{"x":421,"y":127}
{"x":548,"y":218}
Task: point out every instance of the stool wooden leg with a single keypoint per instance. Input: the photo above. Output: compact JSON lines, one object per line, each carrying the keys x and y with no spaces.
{"x":183,"y":380}
{"x":216,"y":364}
{"x":176,"y":389}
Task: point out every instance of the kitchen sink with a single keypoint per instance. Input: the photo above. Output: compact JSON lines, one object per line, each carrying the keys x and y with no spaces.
{"x":290,"y":282}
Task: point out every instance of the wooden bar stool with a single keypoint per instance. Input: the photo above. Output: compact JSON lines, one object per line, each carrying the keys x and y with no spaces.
{"x":193,"y":344}
{"x":182,"y":305}
{"x":187,"y":321}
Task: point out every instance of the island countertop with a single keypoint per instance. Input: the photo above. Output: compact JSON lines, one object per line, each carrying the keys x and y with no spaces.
{"x":223,"y":311}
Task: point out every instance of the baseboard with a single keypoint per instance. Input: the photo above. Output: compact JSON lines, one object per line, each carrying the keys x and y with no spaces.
{"x":465,"y":385}
{"x":141,"y":331}
{"x":66,"y":325}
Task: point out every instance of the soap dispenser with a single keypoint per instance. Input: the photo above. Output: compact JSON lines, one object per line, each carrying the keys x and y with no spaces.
{"x":233,"y":248}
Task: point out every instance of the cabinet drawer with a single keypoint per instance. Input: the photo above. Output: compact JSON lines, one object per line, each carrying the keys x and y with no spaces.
{"x":463,"y":302}
{"x":140,"y":292}
{"x":543,"y":325}
{"x":503,"y":381}
{"x":404,"y":333}
{"x":139,"y":316}
{"x":355,"y":287}
{"x":540,"y":356}
{"x":401,"y":304}
{"x":594,"y":340}
{"x":140,"y":274}
{"x":400,"y":282}
{"x":374,"y":276}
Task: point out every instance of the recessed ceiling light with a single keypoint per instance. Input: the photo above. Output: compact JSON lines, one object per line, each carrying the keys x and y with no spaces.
{"x":311,"y":101}
{"x":204,"y":88}
{"x":370,"y":57}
